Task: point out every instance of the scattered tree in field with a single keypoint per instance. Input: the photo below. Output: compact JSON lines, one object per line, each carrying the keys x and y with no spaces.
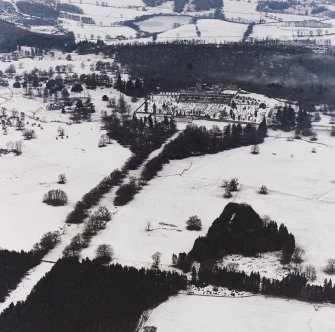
{"x":156,"y":259}
{"x":15,"y":147}
{"x":150,"y":329}
{"x":234,"y":185}
{"x":61,"y":131}
{"x":310,"y":272}
{"x":55,"y":197}
{"x":227,"y":193}
{"x":255,"y":149}
{"x":11,"y":69}
{"x":298,"y":255}
{"x":263,"y":190}
{"x":62,"y":178}
{"x":330,"y":268}
{"x":29,"y":134}
{"x":103,"y":141}
{"x":104,"y":253}
{"x":193,"y":223}
{"x":313,"y":150}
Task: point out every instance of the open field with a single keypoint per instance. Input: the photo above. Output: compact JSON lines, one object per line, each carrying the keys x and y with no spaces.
{"x":253,"y":314}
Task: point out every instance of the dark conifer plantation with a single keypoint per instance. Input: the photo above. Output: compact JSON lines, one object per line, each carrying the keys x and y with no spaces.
{"x":89,"y":297}
{"x":239,"y":230}
{"x":13,"y":266}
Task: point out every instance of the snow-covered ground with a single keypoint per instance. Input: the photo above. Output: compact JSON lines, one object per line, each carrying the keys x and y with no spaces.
{"x":190,"y":313}
{"x":162,"y":23}
{"x":26,"y":178}
{"x":302,"y":196}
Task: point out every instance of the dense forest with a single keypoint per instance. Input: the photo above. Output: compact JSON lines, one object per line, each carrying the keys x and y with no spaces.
{"x":12,"y":36}
{"x":13,"y":266}
{"x":89,"y":297}
{"x":292,"y":72}
{"x":294,"y":285}
{"x":239,"y":230}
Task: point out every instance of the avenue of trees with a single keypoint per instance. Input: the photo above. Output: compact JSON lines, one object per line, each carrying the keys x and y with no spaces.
{"x":197,"y":141}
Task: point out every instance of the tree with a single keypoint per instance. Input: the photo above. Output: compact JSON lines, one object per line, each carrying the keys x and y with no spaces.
{"x":263,"y":190}
{"x":29,"y":134}
{"x":310,"y":272}
{"x":330,"y":268}
{"x":104,"y":253}
{"x":193,"y":223}
{"x":233,"y":184}
{"x":255,"y":149}
{"x":227,"y":193}
{"x":62,"y":178}
{"x":77,"y":88}
{"x":103,"y":215}
{"x":11,"y":69}
{"x":103,"y":141}
{"x":55,"y":197}
{"x":49,"y":241}
{"x":156,"y":259}
{"x":298,"y":255}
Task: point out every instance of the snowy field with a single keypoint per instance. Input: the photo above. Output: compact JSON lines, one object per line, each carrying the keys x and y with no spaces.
{"x":162,"y":23}
{"x":26,"y":178}
{"x":253,"y":314}
{"x":302,"y":196}
{"x":210,"y":30}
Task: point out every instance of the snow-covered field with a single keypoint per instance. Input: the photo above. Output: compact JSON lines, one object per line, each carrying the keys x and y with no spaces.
{"x":162,"y":23}
{"x":26,"y":178}
{"x":302,"y":196}
{"x":190,"y":313}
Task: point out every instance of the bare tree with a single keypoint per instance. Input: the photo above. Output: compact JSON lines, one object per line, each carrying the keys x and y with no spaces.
{"x":263,"y":190}
{"x":156,"y":259}
{"x":298,"y":255}
{"x":29,"y":134}
{"x":103,"y":140}
{"x":61,"y":131}
{"x":234,"y":184}
{"x":227,"y":193}
{"x":310,"y":272}
{"x":255,"y":149}
{"x":193,"y":223}
{"x":62,"y":178}
{"x":330,"y":268}
{"x":55,"y":197}
{"x":104,"y":253}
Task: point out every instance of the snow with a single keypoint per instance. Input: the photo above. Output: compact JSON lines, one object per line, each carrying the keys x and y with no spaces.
{"x":26,"y":178}
{"x":190,"y":313}
{"x":302,"y":200}
{"x":28,"y":282}
{"x":211,"y":30}
{"x":162,"y":23}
